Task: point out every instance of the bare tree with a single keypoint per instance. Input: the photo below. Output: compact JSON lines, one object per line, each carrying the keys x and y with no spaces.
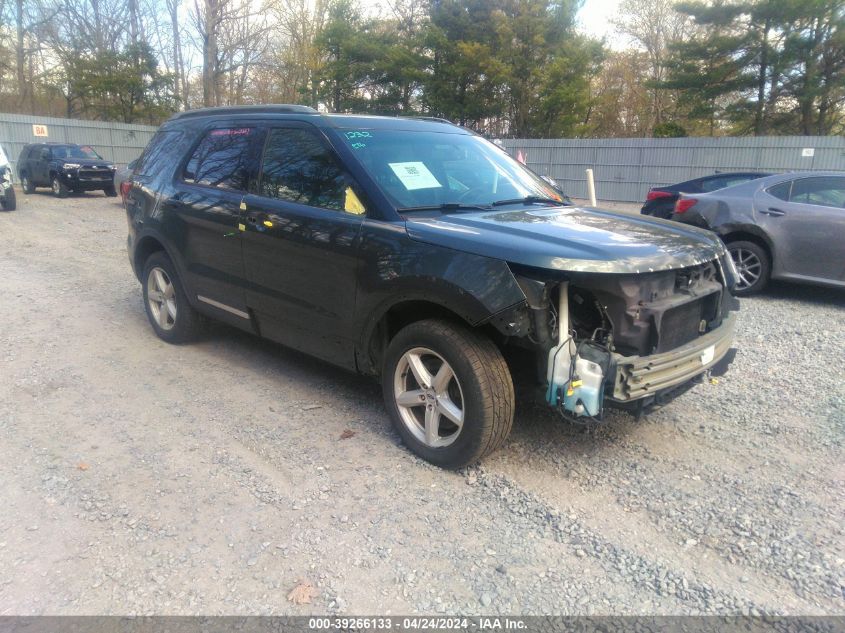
{"x":653,"y":25}
{"x":232,"y":37}
{"x":294,"y":56}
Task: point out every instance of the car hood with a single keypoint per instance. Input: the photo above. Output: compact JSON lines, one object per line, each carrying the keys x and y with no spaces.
{"x":86,"y":162}
{"x":575,"y":239}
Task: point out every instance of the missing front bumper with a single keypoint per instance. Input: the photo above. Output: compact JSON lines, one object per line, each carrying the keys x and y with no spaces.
{"x":639,"y":377}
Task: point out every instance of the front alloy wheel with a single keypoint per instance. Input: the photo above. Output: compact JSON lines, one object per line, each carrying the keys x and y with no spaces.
{"x":59,"y":189}
{"x":26,"y":184}
{"x":428,"y":397}
{"x":448,"y":391}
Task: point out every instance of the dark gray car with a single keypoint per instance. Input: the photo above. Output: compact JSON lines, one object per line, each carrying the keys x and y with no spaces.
{"x":788,"y":226}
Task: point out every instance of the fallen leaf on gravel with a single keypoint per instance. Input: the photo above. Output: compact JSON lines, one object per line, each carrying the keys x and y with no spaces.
{"x":347,"y":434}
{"x":714,"y":381}
{"x":82,"y":466}
{"x":302,"y":593}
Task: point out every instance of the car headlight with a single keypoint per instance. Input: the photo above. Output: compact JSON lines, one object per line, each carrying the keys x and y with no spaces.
{"x":72,"y":166}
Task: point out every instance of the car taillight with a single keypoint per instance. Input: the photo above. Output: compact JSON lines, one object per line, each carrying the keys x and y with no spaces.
{"x":125,"y":186}
{"x":654,"y":194}
{"x":682,"y":205}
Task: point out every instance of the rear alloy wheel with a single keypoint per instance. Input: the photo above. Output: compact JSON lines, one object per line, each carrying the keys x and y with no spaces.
{"x":26,"y":184}
{"x":172,"y":317}
{"x":752,"y":266}
{"x":448,"y":391}
{"x":59,"y":189}
{"x":161,"y":298}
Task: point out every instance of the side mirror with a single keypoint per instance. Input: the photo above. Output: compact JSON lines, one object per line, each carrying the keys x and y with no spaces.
{"x":45,"y":154}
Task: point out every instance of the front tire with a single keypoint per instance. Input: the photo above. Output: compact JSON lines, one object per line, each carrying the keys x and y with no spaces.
{"x":26,"y":184}
{"x":59,"y":188}
{"x":173,"y":319}
{"x":10,"y":202}
{"x":111,"y":192}
{"x":753,"y":265}
{"x":448,"y":391}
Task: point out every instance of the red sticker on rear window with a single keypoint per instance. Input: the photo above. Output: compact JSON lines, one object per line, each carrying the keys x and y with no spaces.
{"x":231,"y":132}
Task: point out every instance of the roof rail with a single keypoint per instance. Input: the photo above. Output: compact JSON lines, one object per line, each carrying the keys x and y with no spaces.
{"x":280,"y":108}
{"x":431,"y":118}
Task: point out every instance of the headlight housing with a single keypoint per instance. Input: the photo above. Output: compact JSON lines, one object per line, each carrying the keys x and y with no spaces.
{"x":72,"y":165}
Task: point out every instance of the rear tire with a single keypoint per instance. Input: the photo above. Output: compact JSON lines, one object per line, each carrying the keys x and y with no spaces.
{"x":59,"y":188}
{"x":10,"y":202}
{"x":173,"y":318}
{"x":26,"y":184}
{"x":425,"y":400}
{"x":754,"y":266}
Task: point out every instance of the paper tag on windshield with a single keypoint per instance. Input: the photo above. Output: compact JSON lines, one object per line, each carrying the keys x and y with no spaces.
{"x":414,"y":175}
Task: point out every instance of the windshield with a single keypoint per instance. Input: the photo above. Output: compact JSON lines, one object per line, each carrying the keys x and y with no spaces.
{"x":73,"y":151}
{"x":431,"y":169}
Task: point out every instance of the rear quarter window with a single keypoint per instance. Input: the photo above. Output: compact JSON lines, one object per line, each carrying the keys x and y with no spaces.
{"x":155,"y":154}
{"x":780,"y":191}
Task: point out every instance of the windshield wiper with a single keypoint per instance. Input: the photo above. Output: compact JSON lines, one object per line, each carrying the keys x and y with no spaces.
{"x":530,"y":200}
{"x":447,"y":207}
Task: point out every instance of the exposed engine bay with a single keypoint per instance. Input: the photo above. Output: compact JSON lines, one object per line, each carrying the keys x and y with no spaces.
{"x":626,"y":338}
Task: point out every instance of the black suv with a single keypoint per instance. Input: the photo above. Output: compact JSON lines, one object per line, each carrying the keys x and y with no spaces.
{"x":64,"y":168}
{"x":417,"y":251}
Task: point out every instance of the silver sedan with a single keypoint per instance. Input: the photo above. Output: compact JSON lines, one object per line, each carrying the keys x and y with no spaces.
{"x":789,"y":226}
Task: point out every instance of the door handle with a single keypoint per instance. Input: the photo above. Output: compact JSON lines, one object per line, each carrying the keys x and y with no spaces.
{"x":259,"y":220}
{"x":772,"y":211}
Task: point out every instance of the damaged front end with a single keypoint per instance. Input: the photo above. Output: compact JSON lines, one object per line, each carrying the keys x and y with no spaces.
{"x":628,"y":340}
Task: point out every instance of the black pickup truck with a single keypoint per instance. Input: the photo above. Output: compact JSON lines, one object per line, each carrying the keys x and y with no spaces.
{"x":65,"y":168}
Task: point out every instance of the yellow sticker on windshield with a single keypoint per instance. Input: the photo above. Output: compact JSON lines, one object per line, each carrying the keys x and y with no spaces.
{"x":352,"y":204}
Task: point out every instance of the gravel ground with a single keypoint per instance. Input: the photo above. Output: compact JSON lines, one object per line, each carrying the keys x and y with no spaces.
{"x":213,"y":478}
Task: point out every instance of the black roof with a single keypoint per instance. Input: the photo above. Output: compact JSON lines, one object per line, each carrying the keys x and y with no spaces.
{"x":340,"y":121}
{"x":279,"y":108}
{"x":54,"y":143}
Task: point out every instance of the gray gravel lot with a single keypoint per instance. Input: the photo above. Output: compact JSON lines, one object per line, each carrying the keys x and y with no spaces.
{"x":144,"y":478}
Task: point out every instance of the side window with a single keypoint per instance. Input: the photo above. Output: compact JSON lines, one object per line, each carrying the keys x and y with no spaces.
{"x":825,"y":191}
{"x":221,"y":159}
{"x":299,"y":168}
{"x":781,"y":191}
{"x":147,"y":164}
{"x":736,"y":180}
{"x":712,"y":184}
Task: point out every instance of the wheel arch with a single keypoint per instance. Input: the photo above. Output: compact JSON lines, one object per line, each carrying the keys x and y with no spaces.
{"x":392,"y":316}
{"x":148,"y":243}
{"x":748,"y":233}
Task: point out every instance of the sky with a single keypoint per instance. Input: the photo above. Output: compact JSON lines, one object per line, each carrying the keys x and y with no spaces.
{"x":594,"y":19}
